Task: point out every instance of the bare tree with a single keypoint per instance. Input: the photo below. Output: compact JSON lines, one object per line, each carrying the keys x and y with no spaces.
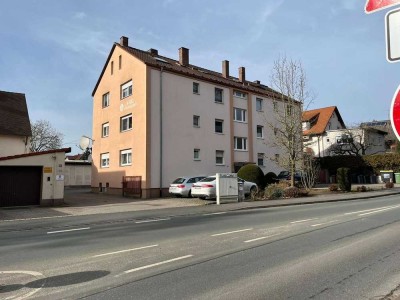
{"x":289,"y":79}
{"x":310,"y":171}
{"x":45,"y":137}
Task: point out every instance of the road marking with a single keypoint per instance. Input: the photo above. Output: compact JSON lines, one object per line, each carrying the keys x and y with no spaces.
{"x":216,"y":213}
{"x":371,"y":209}
{"x":123,"y":251}
{"x":320,"y":224}
{"x":32,"y":273}
{"x":157,"y":264}
{"x":68,"y":230}
{"x":377,"y":211}
{"x":301,"y":221}
{"x":152,"y":220}
{"x":261,"y":238}
{"x":229,"y":232}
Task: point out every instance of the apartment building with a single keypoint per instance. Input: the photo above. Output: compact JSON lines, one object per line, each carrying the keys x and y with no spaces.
{"x":161,"y":118}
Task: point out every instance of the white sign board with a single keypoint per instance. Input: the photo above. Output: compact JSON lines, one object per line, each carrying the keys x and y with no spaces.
{"x":393,"y":35}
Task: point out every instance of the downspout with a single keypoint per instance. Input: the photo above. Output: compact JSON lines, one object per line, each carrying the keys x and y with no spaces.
{"x":161,"y":132}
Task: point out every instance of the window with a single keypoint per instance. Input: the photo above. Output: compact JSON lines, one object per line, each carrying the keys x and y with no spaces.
{"x":112,"y":67}
{"x":105,"y":130}
{"x":240,"y":143}
{"x":344,"y":139}
{"x":125,"y":157}
{"x":276,"y":157}
{"x":239,"y":115}
{"x":289,"y":109}
{"x":105,"y":160}
{"x":275,"y":131}
{"x":259,"y":104}
{"x":106,"y":100}
{"x":219,"y":126}
{"x":218,"y":95}
{"x":260,"y":159}
{"x":196,"y":89}
{"x":239,"y":94}
{"x":275,"y":106}
{"x":126,"y":89}
{"x":196,"y":154}
{"x":327,"y":140}
{"x":126,"y":123}
{"x":260,"y":131}
{"x":120,"y":62}
{"x":196,"y":121}
{"x":219,"y":157}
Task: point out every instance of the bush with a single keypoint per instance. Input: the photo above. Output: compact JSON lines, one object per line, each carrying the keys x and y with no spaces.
{"x":343,"y":178}
{"x":270,"y":178}
{"x":253,"y":173}
{"x":389,"y":185}
{"x":273,"y":191}
{"x":333,"y":188}
{"x":361,"y":188}
{"x":291,"y":192}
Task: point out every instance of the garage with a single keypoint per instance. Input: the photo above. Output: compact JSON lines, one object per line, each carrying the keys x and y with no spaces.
{"x":20,"y":185}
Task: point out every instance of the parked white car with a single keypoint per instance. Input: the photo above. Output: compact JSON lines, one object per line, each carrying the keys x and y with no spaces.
{"x":206,"y":188}
{"x":181,"y":187}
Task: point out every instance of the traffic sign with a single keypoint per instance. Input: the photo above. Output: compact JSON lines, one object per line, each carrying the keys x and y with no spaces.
{"x":375,"y":5}
{"x":395,"y":113}
{"x":393,"y":35}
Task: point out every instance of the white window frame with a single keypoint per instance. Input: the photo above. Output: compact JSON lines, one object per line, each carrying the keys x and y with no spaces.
{"x":259,"y":104}
{"x":260,"y":157}
{"x":222,"y":126}
{"x":196,"y":154}
{"x":242,"y":115}
{"x":215,"y":95}
{"x":243,"y":143}
{"x":105,"y":130}
{"x":275,"y":104}
{"x":219,"y":154}
{"x":262,"y":132}
{"x":197,"y":85}
{"x":127,"y":117}
{"x":197,"y":118}
{"x":239,"y":94}
{"x":105,"y":100}
{"x":105,"y":160}
{"x":126,"y":89}
{"x":125,"y":157}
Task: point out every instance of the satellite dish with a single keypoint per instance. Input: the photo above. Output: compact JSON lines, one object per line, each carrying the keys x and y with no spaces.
{"x":84,"y":142}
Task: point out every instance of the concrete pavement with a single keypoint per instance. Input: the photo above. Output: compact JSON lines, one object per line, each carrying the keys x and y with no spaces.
{"x":83,"y":202}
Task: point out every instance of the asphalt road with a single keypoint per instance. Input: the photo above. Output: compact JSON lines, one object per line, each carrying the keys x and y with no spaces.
{"x":342,"y":250}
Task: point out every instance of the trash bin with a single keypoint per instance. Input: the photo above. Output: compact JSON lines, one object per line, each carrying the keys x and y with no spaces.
{"x":387,"y":176}
{"x":397,"y":177}
{"x":240,"y":191}
{"x":332,"y":179}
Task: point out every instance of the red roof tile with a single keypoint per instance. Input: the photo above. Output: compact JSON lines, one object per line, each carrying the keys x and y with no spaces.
{"x":321,"y":117}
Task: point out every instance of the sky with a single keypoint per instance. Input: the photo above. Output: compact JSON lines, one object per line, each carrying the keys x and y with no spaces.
{"x":54,"y":51}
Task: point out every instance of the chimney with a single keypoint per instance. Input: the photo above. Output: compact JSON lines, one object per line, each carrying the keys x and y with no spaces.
{"x":225,"y":68}
{"x":153,"y":51}
{"x":123,"y":41}
{"x":242,"y":74}
{"x":257,"y":82}
{"x":184,"y":56}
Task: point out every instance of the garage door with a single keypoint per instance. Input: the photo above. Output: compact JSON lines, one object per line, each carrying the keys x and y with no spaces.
{"x":20,"y":186}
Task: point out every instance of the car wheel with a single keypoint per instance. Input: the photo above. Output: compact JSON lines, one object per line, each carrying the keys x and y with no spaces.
{"x":190,"y":194}
{"x":202,"y":198}
{"x":253,"y":190}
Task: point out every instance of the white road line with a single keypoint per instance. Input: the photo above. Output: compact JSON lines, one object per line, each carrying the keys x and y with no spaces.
{"x":123,"y":251}
{"x":152,"y":220}
{"x":301,"y":221}
{"x":157,"y":264}
{"x":377,"y":211}
{"x":371,"y":209}
{"x":216,"y":213}
{"x":320,"y":224}
{"x":261,"y":238}
{"x":229,"y":232}
{"x":68,"y":230}
{"x":39,"y":218}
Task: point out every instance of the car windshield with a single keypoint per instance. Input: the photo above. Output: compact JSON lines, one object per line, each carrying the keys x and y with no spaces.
{"x":179,"y":180}
{"x":207,"y":179}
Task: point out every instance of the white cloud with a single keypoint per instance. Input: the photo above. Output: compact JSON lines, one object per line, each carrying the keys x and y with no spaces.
{"x":80,"y":15}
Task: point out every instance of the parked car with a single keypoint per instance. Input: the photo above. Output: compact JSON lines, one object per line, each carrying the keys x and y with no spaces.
{"x":206,"y":188}
{"x":181,"y":187}
{"x":285,"y":175}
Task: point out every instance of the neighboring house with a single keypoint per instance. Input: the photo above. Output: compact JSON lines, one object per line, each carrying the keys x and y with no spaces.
{"x":325,"y":134}
{"x":384,"y":125}
{"x":316,"y":124}
{"x":161,"y":118}
{"x":15,"y":127}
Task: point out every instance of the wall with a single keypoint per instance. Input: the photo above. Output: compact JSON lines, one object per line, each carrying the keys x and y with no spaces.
{"x":13,"y":145}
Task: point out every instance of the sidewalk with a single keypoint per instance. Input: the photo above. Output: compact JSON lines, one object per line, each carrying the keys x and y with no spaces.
{"x":83,"y":202}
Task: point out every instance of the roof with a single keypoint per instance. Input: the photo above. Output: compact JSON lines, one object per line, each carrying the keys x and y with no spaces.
{"x":171,"y":65}
{"x":14,"y":117}
{"x":319,"y":119}
{"x":73,"y":157}
{"x":65,"y":150}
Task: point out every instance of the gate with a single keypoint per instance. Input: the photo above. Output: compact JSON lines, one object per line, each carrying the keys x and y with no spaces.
{"x":132,"y":186}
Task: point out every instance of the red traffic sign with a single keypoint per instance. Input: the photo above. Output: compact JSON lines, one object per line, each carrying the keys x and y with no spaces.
{"x":395,"y":113}
{"x":375,"y":5}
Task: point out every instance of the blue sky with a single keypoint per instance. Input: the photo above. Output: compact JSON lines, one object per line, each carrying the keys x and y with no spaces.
{"x":54,"y":51}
